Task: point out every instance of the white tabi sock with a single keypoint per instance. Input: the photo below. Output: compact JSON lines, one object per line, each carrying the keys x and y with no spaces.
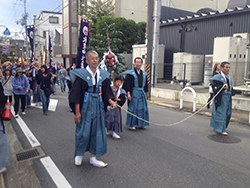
{"x":97,"y":163}
{"x":116,"y":135}
{"x":78,"y":160}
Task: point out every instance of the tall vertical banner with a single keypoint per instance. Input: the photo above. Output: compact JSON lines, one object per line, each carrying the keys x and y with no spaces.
{"x":50,"y":51}
{"x":82,"y":45}
{"x":30,"y":33}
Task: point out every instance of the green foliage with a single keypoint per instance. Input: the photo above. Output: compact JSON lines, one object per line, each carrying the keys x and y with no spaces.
{"x":95,"y":9}
{"x":100,"y":45}
{"x":4,"y":58}
{"x":141,"y":32}
{"x":133,"y":33}
{"x":123,"y":33}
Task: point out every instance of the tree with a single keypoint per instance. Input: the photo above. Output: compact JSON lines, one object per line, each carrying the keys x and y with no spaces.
{"x":133,"y":33}
{"x":100,"y":45}
{"x":95,"y":9}
{"x":4,"y":58}
{"x":141,"y":32}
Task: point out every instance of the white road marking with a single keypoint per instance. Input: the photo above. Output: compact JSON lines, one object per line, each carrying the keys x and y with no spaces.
{"x":52,"y":105}
{"x":50,"y":166}
{"x":29,"y":135}
{"x":55,"y":173}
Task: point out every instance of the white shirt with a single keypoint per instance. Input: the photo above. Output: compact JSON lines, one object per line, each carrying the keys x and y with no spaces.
{"x":93,"y":75}
{"x":224,"y":76}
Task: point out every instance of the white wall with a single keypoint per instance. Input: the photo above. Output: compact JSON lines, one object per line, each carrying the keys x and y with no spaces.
{"x":139,"y":7}
{"x":42,"y":24}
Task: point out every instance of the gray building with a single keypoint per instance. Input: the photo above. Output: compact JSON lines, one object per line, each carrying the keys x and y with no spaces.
{"x":195,"y":33}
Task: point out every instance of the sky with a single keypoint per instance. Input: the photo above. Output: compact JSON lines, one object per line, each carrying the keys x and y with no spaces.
{"x":12,"y":11}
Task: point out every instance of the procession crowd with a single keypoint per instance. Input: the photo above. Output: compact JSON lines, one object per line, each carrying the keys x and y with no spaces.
{"x":28,"y":82}
{"x":91,"y":98}
{"x":94,"y":101}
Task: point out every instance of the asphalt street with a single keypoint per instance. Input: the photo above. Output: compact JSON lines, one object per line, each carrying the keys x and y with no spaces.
{"x":186,"y":155}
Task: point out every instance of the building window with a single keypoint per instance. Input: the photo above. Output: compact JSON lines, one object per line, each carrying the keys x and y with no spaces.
{"x":74,"y":39}
{"x":53,"y":19}
{"x":44,"y":34}
{"x":66,"y":41}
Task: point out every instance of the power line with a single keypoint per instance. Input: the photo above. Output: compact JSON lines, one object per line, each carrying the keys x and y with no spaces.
{"x":8,"y":10}
{"x":11,"y":15}
{"x":54,"y":13}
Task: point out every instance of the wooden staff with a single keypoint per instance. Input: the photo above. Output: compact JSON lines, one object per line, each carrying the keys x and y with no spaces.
{"x":107,"y":33}
{"x":117,"y":110}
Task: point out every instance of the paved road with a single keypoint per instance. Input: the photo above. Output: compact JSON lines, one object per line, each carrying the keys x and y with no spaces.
{"x":184,"y":155}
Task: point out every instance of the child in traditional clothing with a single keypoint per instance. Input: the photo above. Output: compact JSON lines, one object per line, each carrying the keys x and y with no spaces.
{"x":113,"y":117}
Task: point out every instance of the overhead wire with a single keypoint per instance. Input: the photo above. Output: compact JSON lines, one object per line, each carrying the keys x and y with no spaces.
{"x":52,"y":14}
{"x":11,"y":15}
{"x":8,"y":10}
{"x":55,"y":13}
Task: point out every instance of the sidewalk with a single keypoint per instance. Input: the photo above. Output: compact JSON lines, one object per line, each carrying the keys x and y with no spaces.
{"x":21,"y":174}
{"x":238,"y":116}
{"x":18,"y":174}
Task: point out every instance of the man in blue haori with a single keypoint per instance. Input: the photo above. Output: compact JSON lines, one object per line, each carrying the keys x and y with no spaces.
{"x":135,"y":84}
{"x":222,"y":104}
{"x":90,"y":93}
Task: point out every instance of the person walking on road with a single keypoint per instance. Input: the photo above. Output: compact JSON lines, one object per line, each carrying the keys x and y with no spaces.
{"x":135,"y":84}
{"x":62,"y":75}
{"x":20,"y":86}
{"x":56,"y":69}
{"x":35,"y":71}
{"x":44,"y":81}
{"x":216,"y":70}
{"x":222,"y":108}
{"x":4,"y":149}
{"x":6,"y":83}
{"x":90,"y":93}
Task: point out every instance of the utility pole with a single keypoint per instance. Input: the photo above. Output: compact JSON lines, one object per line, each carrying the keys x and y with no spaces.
{"x":26,"y":38}
{"x":156,"y":35}
{"x":34,"y":50}
{"x":149,"y":43}
{"x":23,"y":22}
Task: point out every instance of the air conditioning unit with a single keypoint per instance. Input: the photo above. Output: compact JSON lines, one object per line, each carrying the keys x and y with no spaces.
{"x":194,"y":67}
{"x":232,"y":50}
{"x":208,"y":61}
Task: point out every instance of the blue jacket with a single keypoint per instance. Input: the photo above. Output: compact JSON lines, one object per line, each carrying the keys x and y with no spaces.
{"x":17,"y":83}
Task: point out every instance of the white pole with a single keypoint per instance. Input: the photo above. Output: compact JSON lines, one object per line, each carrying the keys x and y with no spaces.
{"x":156,"y":36}
{"x":194,"y":98}
{"x":217,"y":4}
{"x":249,"y":117}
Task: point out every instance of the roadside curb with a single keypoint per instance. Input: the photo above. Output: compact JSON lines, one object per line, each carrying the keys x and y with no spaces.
{"x":18,"y":174}
{"x":2,"y":185}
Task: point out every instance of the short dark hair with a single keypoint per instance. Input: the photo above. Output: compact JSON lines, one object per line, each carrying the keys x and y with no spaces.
{"x":224,"y":63}
{"x":118,"y":78}
{"x":46,"y":69}
{"x":138,"y":58}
